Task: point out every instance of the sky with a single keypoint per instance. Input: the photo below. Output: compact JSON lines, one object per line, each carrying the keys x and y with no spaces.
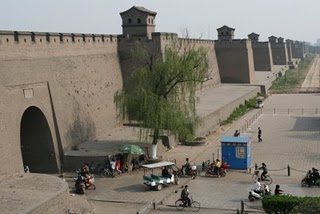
{"x":290,"y":19}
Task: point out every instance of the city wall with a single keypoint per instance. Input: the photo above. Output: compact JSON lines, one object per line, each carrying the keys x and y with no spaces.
{"x":72,"y":80}
{"x":279,"y":53}
{"x":298,"y":50}
{"x":158,"y":43}
{"x":262,"y":56}
{"x":235,"y":60}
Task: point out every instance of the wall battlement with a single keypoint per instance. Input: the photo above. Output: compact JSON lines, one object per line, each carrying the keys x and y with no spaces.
{"x":20,"y":37}
{"x":260,"y":44}
{"x":236,"y":43}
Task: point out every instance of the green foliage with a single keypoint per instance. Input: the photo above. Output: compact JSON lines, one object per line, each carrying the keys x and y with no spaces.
{"x":279,"y":204}
{"x":161,"y":92}
{"x":293,"y":77}
{"x":241,"y":110}
{"x":291,"y":204}
{"x":308,"y":205}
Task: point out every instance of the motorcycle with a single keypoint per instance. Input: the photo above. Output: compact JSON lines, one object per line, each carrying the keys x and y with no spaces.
{"x":257,"y":196}
{"x":222,"y":171}
{"x":84,"y":182}
{"x":308,"y":182}
{"x":80,"y":185}
{"x":192,"y":171}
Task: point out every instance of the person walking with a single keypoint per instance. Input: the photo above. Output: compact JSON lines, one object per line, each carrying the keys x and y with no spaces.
{"x":259,"y":134}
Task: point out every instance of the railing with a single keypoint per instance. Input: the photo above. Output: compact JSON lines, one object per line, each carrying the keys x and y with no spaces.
{"x":291,"y":111}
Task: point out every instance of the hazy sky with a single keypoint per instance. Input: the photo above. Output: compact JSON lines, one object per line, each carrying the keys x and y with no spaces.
{"x":291,"y":19}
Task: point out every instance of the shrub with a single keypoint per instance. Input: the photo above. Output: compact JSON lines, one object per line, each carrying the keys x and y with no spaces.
{"x":291,"y":204}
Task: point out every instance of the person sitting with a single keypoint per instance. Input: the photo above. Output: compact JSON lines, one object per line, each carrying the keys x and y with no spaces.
{"x":277,"y":190}
{"x":217,"y":167}
{"x":258,"y":188}
{"x":264,"y":171}
{"x":165,"y":173}
{"x":236,"y":134}
{"x":186,"y":167}
{"x":185,"y":196}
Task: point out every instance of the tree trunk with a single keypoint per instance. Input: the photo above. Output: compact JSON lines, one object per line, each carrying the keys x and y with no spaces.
{"x":153,"y":147}
{"x":153,"y":151}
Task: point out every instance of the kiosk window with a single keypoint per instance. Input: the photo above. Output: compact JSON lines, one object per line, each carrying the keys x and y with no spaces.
{"x":240,"y":152}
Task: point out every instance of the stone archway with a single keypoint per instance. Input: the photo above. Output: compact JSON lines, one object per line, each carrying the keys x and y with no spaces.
{"x":36,"y":142}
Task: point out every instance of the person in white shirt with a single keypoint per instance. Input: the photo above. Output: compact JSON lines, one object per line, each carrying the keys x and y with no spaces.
{"x":258,"y":188}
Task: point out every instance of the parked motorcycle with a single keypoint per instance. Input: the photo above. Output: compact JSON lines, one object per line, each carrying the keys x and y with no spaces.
{"x":80,"y":185}
{"x":222,"y":171}
{"x":256,"y":196}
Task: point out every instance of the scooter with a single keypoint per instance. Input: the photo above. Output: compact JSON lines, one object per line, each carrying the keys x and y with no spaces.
{"x":257,"y":196}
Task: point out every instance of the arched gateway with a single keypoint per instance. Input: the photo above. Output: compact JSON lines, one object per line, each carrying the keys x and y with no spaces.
{"x":37,"y":143}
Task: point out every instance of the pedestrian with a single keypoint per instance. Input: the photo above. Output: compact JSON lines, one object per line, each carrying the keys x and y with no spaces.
{"x":236,"y":134}
{"x":259,"y":134}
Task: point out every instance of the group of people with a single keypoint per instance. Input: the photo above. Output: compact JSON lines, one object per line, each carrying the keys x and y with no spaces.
{"x":312,"y":176}
{"x":262,"y":188}
{"x":85,"y":176}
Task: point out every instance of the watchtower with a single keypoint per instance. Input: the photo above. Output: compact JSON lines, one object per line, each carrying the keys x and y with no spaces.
{"x":225,"y":33}
{"x":235,"y":57}
{"x":279,"y":50}
{"x":262,"y":54}
{"x":138,"y":21}
{"x":253,"y":37}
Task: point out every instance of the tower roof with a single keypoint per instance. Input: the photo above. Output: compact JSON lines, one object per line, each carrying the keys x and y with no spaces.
{"x":140,"y":9}
{"x":225,"y":27}
{"x":253,"y":34}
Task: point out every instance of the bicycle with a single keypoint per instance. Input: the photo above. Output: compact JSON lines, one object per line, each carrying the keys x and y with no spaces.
{"x":100,"y":169}
{"x":195,"y":206}
{"x":267,"y":179}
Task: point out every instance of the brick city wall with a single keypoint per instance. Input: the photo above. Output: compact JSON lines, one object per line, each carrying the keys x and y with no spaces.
{"x":279,"y":53}
{"x":235,"y":60}
{"x":70,"y":82}
{"x":71,"y":79}
{"x":262,"y":56}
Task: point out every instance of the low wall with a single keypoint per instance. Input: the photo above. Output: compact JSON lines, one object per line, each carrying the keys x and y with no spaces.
{"x":211,"y":121}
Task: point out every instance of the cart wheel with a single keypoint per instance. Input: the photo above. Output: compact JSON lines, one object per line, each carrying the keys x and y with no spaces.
{"x":159,"y":187}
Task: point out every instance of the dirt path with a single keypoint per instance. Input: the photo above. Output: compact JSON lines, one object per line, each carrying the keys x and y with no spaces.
{"x":312,"y":78}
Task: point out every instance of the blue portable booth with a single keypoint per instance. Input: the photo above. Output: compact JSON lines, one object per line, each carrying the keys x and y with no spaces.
{"x":236,"y":151}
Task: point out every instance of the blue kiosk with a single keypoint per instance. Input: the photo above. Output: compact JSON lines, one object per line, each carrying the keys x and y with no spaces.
{"x":236,"y":151}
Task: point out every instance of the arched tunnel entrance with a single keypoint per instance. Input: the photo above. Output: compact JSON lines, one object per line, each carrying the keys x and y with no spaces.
{"x":37,"y":143}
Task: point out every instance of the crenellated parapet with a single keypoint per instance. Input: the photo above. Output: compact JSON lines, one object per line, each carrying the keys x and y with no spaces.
{"x":19,"y":37}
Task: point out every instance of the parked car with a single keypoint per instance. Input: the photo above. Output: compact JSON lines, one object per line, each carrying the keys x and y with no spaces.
{"x":259,"y":102}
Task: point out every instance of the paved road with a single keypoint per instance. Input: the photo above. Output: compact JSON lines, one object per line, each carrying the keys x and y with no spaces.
{"x":287,"y":139}
{"x":312,"y":78}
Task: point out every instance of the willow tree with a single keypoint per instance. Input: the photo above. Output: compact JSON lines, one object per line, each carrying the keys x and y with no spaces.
{"x":161,"y":94}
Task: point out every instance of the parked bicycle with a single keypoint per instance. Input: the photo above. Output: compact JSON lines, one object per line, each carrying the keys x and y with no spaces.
{"x":195,"y":206}
{"x":267,"y":179}
{"x":101,"y":169}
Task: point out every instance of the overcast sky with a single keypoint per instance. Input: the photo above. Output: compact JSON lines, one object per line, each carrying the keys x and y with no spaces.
{"x":291,"y":19}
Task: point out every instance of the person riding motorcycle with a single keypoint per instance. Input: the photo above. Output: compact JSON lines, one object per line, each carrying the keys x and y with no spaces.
{"x":217,"y":166}
{"x":258,"y":187}
{"x":314,"y":175}
{"x":187,"y":167}
{"x":264,"y":171}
